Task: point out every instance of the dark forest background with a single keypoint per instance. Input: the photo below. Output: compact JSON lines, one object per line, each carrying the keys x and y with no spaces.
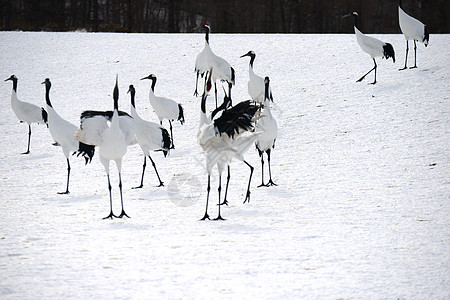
{"x":231,"y":16}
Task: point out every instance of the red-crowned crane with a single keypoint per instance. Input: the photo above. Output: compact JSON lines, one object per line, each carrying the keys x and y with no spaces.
{"x":372,"y":46}
{"x":112,"y":140}
{"x":26,"y":112}
{"x":150,"y":137}
{"x":165,"y":108}
{"x":255,"y":83}
{"x":267,"y":126}
{"x":207,"y":61}
{"x":225,"y":134}
{"x":62,"y":132}
{"x":412,"y":29}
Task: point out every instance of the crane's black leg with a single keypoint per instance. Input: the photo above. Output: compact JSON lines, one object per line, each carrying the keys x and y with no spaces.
{"x":143,"y":172}
{"x":229,"y":90}
{"x":406,"y":56}
{"x":247,"y":195}
{"x":359,"y":80}
{"x":270,"y":172}
{"x":196,"y":84}
{"x":154,"y":166}
{"x":225,"y":201}
{"x":111,"y":215}
{"x":123,"y":213}
{"x":415,"y":53}
{"x":375,"y":68}
{"x":68,"y":176}
{"x":208,"y":189}
{"x":219,"y":217}
{"x":171,"y":135}
{"x":215,"y":92}
{"x":261,"y":154}
{"x":29,"y":138}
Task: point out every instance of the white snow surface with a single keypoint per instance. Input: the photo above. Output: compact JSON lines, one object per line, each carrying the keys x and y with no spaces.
{"x":361,"y":210}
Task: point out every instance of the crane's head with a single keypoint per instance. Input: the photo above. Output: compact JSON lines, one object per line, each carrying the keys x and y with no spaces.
{"x":131,"y":89}
{"x":354,"y":14}
{"x":204,"y":27}
{"x":47,"y":82}
{"x":249,"y":53}
{"x":151,"y":77}
{"x":12,"y":77}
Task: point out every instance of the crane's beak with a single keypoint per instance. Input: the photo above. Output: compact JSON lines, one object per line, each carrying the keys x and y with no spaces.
{"x":347,"y":15}
{"x":246,"y":54}
{"x":148,"y":77}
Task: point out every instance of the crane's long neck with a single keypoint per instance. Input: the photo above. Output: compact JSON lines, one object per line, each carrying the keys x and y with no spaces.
{"x":133,"y":93}
{"x":252,"y":59}
{"x":47,"y":94}
{"x":267,"y":94}
{"x":153,"y":84}
{"x":115,"y":117}
{"x":356,"y":21}
{"x":133,"y":105}
{"x":15,"y":84}
{"x":207,"y":36}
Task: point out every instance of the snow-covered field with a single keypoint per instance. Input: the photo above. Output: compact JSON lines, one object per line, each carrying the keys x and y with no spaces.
{"x":361,"y":210}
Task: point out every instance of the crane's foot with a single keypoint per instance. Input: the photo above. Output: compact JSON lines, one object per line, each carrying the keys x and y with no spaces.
{"x":196,"y":93}
{"x":247,"y":197}
{"x":262,"y":184}
{"x":373,"y":82}
{"x":404,"y":68}
{"x":27,"y":152}
{"x":206,"y":216}
{"x":110,"y":216}
{"x":413,"y":67}
{"x":64,"y":193}
{"x":361,"y":79}
{"x":271,"y":183}
{"x":122,"y":214}
{"x":138,"y":187}
{"x":160,"y":184}
{"x":225,"y":202}
{"x":219,"y":218}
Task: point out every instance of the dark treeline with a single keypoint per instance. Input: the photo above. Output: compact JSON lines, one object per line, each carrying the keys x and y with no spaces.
{"x":231,"y":16}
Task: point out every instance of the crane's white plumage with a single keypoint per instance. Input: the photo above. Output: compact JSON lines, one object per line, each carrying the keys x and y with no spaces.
{"x":265,"y":141}
{"x":372,"y":46}
{"x":150,"y":137}
{"x":61,"y":130}
{"x":26,"y":112}
{"x":207,"y":61}
{"x":255,"y":83}
{"x":165,"y":108}
{"x":223,"y":135}
{"x":412,"y":29}
{"x":112,"y":140}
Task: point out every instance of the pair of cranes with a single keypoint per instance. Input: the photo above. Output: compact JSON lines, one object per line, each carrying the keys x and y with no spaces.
{"x":411,"y":28}
{"x":228,"y":131}
{"x":124,"y":130}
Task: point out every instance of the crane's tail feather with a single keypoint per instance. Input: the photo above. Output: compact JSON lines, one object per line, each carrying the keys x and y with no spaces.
{"x":388,"y":51}
{"x":233,"y":76}
{"x":44,"y":115}
{"x":180,"y":114}
{"x":165,"y":141}
{"x":426,"y":36}
{"x":87,"y":151}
